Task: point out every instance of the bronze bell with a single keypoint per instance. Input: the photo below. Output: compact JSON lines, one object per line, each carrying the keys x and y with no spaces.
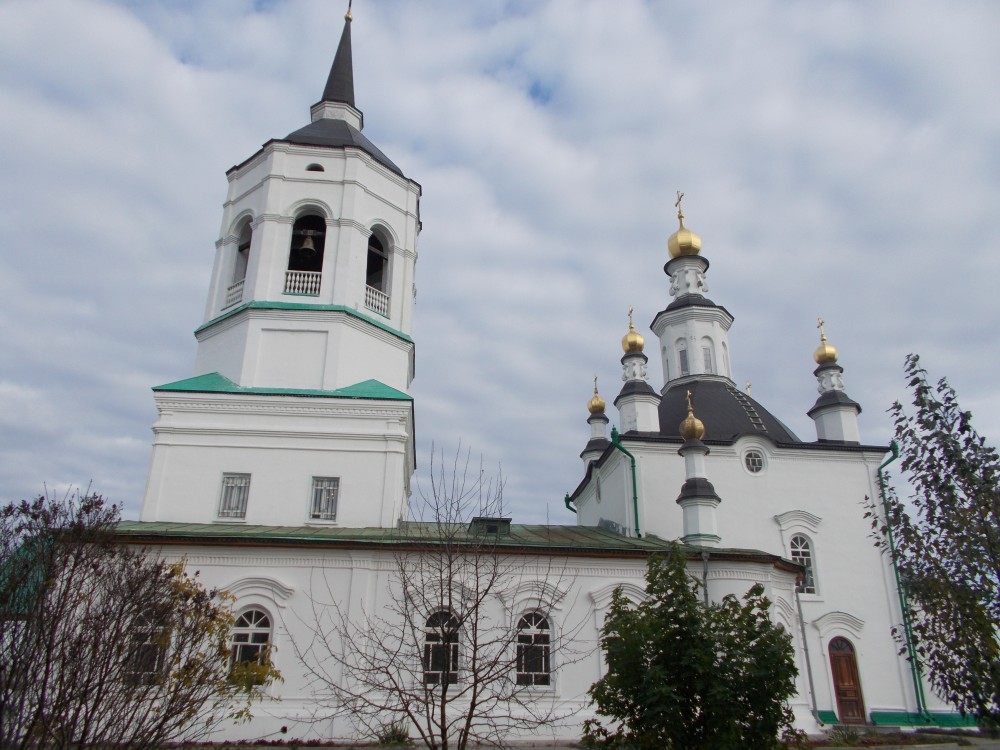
{"x":307,"y":247}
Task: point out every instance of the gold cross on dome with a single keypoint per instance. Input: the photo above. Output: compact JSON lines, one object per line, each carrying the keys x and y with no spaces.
{"x":690,"y":408}
{"x":630,"y":316}
{"x":819,"y":325}
{"x":595,"y":383}
{"x":680,"y":211}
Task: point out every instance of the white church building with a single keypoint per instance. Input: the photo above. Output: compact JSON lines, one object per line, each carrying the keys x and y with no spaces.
{"x":290,"y":450}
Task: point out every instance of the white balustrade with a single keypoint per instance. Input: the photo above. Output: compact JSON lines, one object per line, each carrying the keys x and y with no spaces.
{"x":234,"y":294}
{"x":377,"y":301}
{"x":303,"y":282}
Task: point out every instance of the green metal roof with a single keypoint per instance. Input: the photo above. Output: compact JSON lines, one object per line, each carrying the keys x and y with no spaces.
{"x":581,"y":540}
{"x":261,"y":305}
{"x":214,"y":382}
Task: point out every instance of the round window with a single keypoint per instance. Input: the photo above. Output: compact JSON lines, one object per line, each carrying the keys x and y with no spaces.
{"x":754,"y":461}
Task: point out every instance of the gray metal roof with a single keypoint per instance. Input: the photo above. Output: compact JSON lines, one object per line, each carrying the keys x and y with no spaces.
{"x":585,"y":541}
{"x":338,"y":134}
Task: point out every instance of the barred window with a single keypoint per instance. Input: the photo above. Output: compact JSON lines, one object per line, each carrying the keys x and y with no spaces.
{"x":441,"y":649}
{"x":801,"y":549}
{"x":324,"y":498}
{"x":533,"y":650}
{"x":235,"y":491}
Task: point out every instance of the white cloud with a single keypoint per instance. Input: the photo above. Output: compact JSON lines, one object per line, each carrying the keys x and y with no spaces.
{"x":839,"y":160}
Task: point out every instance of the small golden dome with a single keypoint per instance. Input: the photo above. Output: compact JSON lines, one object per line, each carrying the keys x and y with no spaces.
{"x":692,"y":428}
{"x":596,"y":404}
{"x":632,"y":342}
{"x":683,"y":241}
{"x":825,"y":353}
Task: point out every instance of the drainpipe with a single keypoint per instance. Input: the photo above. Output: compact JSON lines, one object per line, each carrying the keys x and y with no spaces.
{"x":568,"y":501}
{"x":911,"y":651}
{"x":704,"y":573}
{"x":617,"y":443}
{"x":805,"y":649}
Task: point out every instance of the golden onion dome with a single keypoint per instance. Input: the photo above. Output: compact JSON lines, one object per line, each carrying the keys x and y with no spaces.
{"x":683,"y":241}
{"x":692,"y":428}
{"x":596,"y":404}
{"x":826,"y":353}
{"x":632,"y":342}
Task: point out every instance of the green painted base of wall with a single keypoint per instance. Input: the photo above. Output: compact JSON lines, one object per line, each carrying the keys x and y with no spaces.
{"x":904,"y":719}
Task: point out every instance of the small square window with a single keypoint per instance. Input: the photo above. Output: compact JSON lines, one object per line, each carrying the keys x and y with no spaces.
{"x":235,"y":491}
{"x":324,"y":498}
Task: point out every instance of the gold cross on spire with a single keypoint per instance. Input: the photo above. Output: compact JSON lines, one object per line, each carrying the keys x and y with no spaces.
{"x":680,"y":211}
{"x":595,"y":384}
{"x":630,"y":326}
{"x":690,"y":408}
{"x":819,"y":325}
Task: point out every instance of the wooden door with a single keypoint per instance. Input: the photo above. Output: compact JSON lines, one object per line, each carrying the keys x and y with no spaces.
{"x":846,"y":682}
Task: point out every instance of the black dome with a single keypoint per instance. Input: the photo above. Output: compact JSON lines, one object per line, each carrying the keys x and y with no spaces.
{"x":726,"y":412}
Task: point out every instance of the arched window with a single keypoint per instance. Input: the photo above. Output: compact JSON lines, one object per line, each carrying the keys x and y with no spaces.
{"x":533,"y":650}
{"x":251,"y":637}
{"x":377,"y":277}
{"x":801,"y":549}
{"x":305,"y":257}
{"x":148,"y":651}
{"x":706,"y":354}
{"x":666,"y":365}
{"x":441,"y":649}
{"x":682,"y":358}
{"x":243,"y":252}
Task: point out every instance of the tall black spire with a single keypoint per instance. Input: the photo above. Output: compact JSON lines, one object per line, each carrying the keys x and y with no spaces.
{"x":340,"y":83}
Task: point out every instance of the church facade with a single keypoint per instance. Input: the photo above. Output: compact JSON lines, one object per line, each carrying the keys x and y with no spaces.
{"x":281,"y":469}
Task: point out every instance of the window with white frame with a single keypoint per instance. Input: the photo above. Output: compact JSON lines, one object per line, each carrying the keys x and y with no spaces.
{"x":801,"y":552}
{"x":148,"y":652}
{"x":235,"y":491}
{"x":533,"y":650}
{"x":251,"y":638}
{"x":754,"y":461}
{"x":706,"y":355}
{"x":324,"y":498}
{"x":441,"y":649}
{"x":682,"y":358}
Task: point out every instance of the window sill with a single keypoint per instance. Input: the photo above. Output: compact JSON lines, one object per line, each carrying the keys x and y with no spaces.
{"x":807,"y":598}
{"x":321,"y":522}
{"x":230,"y":520}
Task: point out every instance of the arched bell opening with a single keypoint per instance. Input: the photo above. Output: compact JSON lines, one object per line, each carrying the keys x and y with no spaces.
{"x":234,"y":292}
{"x":305,"y":256}
{"x":377,"y":275}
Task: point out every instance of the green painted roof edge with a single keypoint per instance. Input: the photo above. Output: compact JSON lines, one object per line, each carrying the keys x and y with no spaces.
{"x":215,"y":382}
{"x":260,"y":305}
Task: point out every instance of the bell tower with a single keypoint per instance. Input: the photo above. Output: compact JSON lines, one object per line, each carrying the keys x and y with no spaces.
{"x":298,"y":411}
{"x":313,"y":279}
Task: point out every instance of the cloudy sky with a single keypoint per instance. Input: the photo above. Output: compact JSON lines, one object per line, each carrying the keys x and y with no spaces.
{"x":839,"y":159}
